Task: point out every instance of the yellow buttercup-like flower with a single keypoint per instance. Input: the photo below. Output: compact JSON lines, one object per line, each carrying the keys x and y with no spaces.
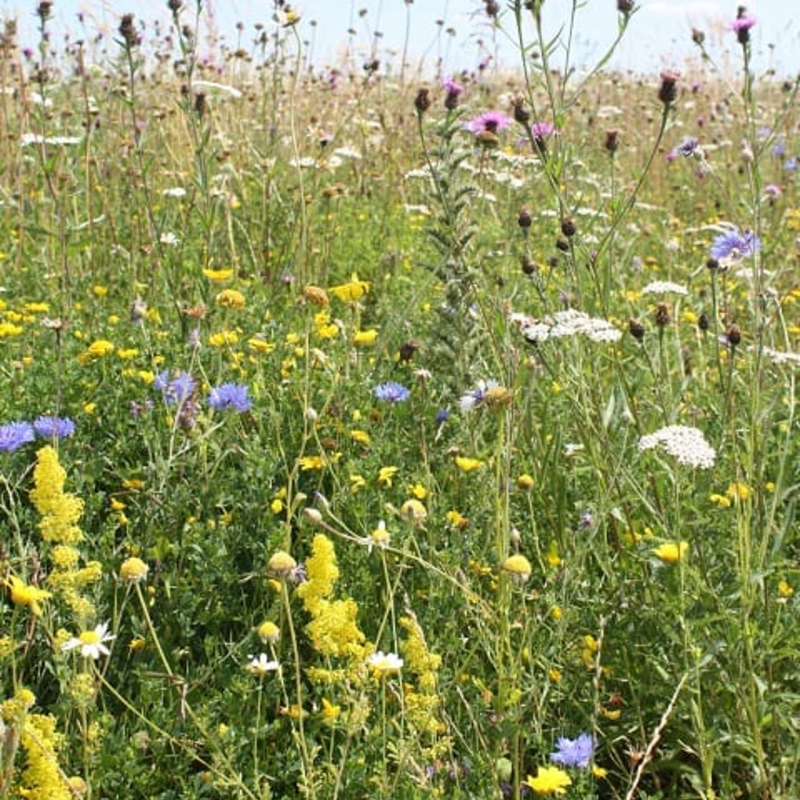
{"x":671,"y":552}
{"x":24,"y":595}
{"x":549,"y":780}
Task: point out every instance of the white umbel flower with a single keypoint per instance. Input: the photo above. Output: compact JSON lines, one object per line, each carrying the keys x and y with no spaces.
{"x":687,"y":445}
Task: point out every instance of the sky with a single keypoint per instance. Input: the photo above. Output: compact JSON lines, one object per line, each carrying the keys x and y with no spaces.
{"x":659,"y":35}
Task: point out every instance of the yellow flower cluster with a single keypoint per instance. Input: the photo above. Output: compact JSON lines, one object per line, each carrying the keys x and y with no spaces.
{"x":60,"y":512}
{"x":333,"y":628}
{"x":42,"y":779}
{"x":422,"y":702}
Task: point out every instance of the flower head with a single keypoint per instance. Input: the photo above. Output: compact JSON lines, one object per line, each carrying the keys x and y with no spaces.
{"x":518,"y":567}
{"x":488,"y":122}
{"x":24,"y":595}
{"x":133,"y":570}
{"x":688,"y":445}
{"x":549,"y":780}
{"x":269,"y":632}
{"x":731,"y":247}
{"x":742,"y":24}
{"x":15,"y":434}
{"x":91,"y":643}
{"x":391,"y":392}
{"x":385,"y":662}
{"x":671,"y":552}
{"x":54,"y":427}
{"x":230,"y":397}
{"x":262,"y":665}
{"x":177,"y":389}
{"x":574,"y":752}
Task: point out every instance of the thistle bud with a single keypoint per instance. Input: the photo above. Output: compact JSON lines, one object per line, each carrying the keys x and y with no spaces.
{"x":668,"y":92}
{"x":636,"y":329}
{"x":662,"y":315}
{"x":733,"y":335}
{"x":422,"y":102}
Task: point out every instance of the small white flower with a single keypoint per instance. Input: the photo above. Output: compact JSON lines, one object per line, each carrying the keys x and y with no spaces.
{"x":687,"y":445}
{"x":262,"y":665}
{"x":175,"y":191}
{"x":169,"y":239}
{"x":91,"y":643}
{"x":385,"y":662}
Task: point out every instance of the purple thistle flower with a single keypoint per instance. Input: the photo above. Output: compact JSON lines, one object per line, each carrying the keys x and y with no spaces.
{"x":15,"y":434}
{"x":391,"y":392}
{"x":490,"y":121}
{"x":54,"y":427}
{"x":734,"y":246}
{"x":177,"y":389}
{"x":574,"y":752}
{"x":540,"y":130}
{"x":451,"y":87}
{"x":230,"y":397}
{"x":741,"y":26}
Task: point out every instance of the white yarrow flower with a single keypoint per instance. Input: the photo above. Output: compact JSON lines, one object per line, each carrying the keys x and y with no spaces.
{"x":687,"y":445}
{"x":569,"y":322}
{"x":664,"y":287}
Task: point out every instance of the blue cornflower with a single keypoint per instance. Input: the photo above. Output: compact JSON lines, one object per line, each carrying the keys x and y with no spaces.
{"x":688,"y":147}
{"x":177,"y":389}
{"x":734,"y":246}
{"x":574,"y":752}
{"x":230,"y":397}
{"x":442,"y":415}
{"x":15,"y":434}
{"x":391,"y":392}
{"x":54,"y":427}
{"x":790,"y":165}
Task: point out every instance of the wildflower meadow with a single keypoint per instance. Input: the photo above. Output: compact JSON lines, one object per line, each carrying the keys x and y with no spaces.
{"x":378,"y":431}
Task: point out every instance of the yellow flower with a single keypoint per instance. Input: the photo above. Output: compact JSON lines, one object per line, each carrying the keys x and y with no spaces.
{"x":385,"y":476}
{"x":468,"y":464}
{"x":362,"y":437}
{"x":457,"y":519}
{"x":349,"y":292}
{"x":281,"y":564}
{"x":24,"y":595}
{"x":553,"y":558}
{"x":269,"y":632}
{"x":549,"y":780}
{"x":524,"y":481}
{"x":8,"y":329}
{"x":365,"y":338}
{"x":133,"y":570}
{"x":518,"y":567}
{"x":315,"y":295}
{"x":357,"y":482}
{"x":785,"y":589}
{"x":230,"y":298}
{"x":330,"y":712}
{"x":671,"y":552}
{"x":738,"y":491}
{"x":218,"y":275}
{"x":260,"y":346}
{"x":419,"y":491}
{"x":222,"y":338}
{"x":308,"y":463}
{"x":99,"y":291}
{"x":99,"y":348}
